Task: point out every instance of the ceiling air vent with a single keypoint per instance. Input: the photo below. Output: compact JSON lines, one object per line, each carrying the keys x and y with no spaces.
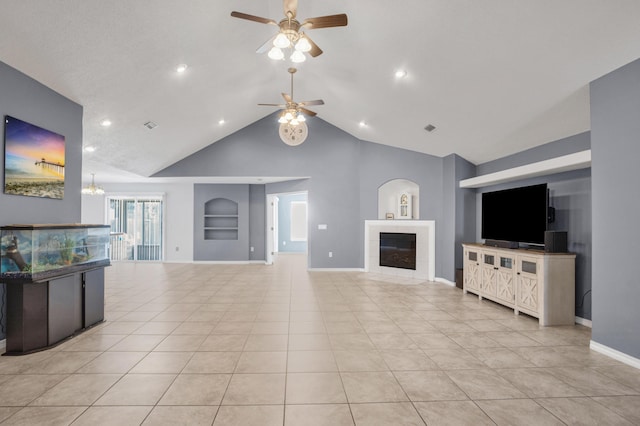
{"x":430,"y":128}
{"x":150,"y":125}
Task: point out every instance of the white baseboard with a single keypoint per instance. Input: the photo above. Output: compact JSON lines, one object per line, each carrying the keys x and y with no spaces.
{"x":615,"y":354}
{"x":227,"y":262}
{"x":221,"y":262}
{"x":335,"y":269}
{"x":444,"y":281}
{"x":583,"y":321}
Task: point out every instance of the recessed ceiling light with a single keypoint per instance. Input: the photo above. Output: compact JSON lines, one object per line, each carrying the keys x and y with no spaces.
{"x":221,"y":121}
{"x":430,"y":128}
{"x":150,"y":125}
{"x":105,"y":123}
{"x":181,"y":68}
{"x":401,"y":74}
{"x":363,"y":124}
{"x":90,"y":148}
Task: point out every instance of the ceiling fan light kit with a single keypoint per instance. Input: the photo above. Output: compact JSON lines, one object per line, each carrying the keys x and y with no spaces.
{"x":293,"y":117}
{"x":293,"y":129}
{"x":290,"y":34}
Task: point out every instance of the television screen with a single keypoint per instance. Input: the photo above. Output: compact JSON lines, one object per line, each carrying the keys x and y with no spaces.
{"x":518,"y":214}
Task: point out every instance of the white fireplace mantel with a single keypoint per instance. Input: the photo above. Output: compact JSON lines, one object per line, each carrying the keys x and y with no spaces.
{"x":425,"y":247}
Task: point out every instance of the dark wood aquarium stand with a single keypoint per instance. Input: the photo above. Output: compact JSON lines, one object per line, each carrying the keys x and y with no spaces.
{"x":48,"y":305}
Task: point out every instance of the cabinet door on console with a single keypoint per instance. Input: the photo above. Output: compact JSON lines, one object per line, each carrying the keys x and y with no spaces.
{"x":471,"y":281}
{"x":489,"y":268}
{"x":505,"y":281}
{"x":528,"y":282}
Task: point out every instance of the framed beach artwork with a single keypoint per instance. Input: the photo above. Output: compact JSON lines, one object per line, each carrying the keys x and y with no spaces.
{"x":33,"y":160}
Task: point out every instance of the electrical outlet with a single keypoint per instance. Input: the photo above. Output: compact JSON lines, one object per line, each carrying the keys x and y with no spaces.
{"x":251,"y":249}
{"x":284,"y":243}
{"x":177,"y":248}
{"x":330,"y":254}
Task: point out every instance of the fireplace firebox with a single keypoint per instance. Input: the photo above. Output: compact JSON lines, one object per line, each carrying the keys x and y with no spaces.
{"x":398,"y":250}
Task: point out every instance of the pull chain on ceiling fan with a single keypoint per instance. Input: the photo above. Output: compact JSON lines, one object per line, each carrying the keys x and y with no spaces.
{"x":291,"y":34}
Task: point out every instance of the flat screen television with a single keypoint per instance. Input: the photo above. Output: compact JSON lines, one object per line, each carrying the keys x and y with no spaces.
{"x":516,"y":215}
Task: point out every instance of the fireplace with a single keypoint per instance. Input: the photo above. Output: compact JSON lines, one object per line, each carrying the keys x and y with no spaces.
{"x":398,"y":250}
{"x":425,"y":247}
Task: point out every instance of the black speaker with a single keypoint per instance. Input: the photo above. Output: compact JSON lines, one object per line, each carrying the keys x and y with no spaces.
{"x":555,"y":241}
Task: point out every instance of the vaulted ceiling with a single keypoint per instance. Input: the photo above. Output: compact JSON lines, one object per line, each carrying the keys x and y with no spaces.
{"x":493,"y":76}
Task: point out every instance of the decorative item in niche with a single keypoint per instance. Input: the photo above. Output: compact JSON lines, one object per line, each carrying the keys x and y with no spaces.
{"x":405,"y":206}
{"x":389,"y":216}
{"x":34,"y":160}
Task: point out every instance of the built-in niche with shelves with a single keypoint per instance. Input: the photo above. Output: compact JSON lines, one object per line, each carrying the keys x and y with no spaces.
{"x":399,"y":199}
{"x":220,"y":219}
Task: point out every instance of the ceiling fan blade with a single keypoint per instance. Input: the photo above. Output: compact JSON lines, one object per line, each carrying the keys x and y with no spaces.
{"x":267,"y":45}
{"x":316,"y":102}
{"x":325,"y":21}
{"x":290,"y":7}
{"x":287,"y":97}
{"x":275,"y":105}
{"x":307,"y":111}
{"x":315,"y":50}
{"x":253,"y":18}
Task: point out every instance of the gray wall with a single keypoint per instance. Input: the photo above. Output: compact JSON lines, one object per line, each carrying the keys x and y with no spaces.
{"x":565,"y":146}
{"x":257,"y":222}
{"x":378,"y":165}
{"x":448,"y":222}
{"x":24,"y":98}
{"x":569,"y":193}
{"x":340,"y":173}
{"x":328,"y":154}
{"x":284,"y":224}
{"x":206,"y":249}
{"x":465,"y":208}
{"x":615,"y":148}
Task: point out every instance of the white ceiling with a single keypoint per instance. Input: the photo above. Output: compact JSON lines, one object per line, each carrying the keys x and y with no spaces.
{"x":494,"y":76}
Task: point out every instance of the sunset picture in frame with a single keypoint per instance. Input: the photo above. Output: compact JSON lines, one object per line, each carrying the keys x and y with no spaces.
{"x":34,"y":160}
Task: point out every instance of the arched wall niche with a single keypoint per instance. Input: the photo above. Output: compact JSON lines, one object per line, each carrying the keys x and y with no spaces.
{"x":389,"y":198}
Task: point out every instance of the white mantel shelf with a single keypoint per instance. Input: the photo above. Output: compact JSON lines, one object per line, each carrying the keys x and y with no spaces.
{"x":425,"y":247}
{"x":565,"y":163}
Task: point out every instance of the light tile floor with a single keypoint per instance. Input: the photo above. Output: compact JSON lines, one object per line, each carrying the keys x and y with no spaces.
{"x":278,"y":345}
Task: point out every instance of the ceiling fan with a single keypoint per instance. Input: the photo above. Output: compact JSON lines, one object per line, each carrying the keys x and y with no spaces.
{"x":291,"y":34}
{"x":293,"y":129}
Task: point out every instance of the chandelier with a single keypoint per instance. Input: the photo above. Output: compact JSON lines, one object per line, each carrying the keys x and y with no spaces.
{"x":93,"y":189}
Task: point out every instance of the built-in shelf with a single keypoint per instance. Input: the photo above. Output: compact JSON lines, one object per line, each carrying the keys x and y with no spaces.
{"x":221,"y":234}
{"x":221,"y":219}
{"x":565,"y":163}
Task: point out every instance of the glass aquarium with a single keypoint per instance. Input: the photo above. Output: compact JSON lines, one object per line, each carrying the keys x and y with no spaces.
{"x":34,"y":252}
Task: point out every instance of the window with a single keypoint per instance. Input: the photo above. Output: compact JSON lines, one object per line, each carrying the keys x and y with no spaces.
{"x":136,"y":227}
{"x":298,"y":221}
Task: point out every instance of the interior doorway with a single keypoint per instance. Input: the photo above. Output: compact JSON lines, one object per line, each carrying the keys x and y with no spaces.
{"x":287,"y":224}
